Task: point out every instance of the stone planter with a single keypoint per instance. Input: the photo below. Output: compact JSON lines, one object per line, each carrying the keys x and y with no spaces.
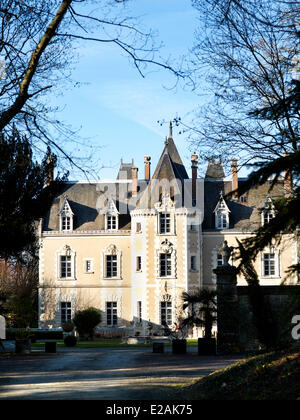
{"x":50,"y":346}
{"x":23,"y":346}
{"x":158,"y":347}
{"x":207,"y":347}
{"x":179,"y":346}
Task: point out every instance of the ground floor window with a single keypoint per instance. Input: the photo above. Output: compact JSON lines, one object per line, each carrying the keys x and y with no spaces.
{"x":111,"y":314}
{"x":166,"y":313}
{"x":65,"y":312}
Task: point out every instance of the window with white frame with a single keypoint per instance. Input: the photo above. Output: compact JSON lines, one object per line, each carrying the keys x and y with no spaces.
{"x":66,"y":263}
{"x":111,"y":314}
{"x":220,"y":260}
{"x":164,"y":223}
{"x":268,"y":212}
{"x":66,"y":217}
{"x":165,"y":265}
{"x":222,"y":220}
{"x":270,"y":263}
{"x":111,"y":222}
{"x":88,"y":266}
{"x":111,"y":262}
{"x":65,"y":312}
{"x":111,"y":266}
{"x":65,"y":266}
{"x":166,"y":313}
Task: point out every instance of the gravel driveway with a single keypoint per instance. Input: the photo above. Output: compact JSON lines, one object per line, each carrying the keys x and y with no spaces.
{"x":102,"y":374}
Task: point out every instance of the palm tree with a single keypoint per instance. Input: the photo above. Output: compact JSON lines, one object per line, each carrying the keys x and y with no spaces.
{"x":203,"y":308}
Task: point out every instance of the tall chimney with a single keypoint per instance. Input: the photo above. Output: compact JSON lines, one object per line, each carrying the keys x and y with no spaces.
{"x":194,"y":178}
{"x":134,"y":175}
{"x":147,"y":161}
{"x":235,"y":179}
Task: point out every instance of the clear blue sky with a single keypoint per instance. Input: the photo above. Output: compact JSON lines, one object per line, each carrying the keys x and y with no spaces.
{"x":116,"y":108}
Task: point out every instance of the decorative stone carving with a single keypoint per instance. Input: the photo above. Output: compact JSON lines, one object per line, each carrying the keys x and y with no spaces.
{"x":166,"y":204}
{"x":226,"y":252}
{"x":166,"y":247}
{"x":111,"y":250}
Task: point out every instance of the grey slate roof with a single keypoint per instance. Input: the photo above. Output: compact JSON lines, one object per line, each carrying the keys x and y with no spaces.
{"x":88,"y":200}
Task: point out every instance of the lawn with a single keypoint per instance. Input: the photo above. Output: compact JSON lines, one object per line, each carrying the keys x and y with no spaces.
{"x":272,"y":376}
{"x":111,"y":342}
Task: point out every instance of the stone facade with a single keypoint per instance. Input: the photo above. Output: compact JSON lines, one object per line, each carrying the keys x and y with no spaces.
{"x":130,"y":246}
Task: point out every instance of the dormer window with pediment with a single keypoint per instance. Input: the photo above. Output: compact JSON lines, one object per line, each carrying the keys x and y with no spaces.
{"x":222,"y":214}
{"x":268,"y":212}
{"x":111,"y":216}
{"x":66,"y":217}
{"x":165,"y":208}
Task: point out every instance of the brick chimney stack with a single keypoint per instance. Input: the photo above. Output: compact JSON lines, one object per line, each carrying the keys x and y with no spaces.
{"x":194,"y":178}
{"x":134,"y":175}
{"x":235,"y":178}
{"x":147,"y":161}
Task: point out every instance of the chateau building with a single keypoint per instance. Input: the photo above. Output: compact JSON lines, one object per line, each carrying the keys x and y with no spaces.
{"x":131,"y":246}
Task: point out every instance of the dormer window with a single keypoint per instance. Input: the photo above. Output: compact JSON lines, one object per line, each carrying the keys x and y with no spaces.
{"x":165,"y":217}
{"x":66,"y":217}
{"x":222,"y":214}
{"x":268,"y":212}
{"x":165,"y":223}
{"x":111,"y":216}
{"x":111,"y":222}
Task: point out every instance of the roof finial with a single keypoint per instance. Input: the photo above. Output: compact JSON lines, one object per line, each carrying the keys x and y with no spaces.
{"x":171,"y":130}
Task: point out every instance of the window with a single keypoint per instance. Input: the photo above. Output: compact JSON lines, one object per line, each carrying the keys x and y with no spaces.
{"x":165,"y":265}
{"x":220,"y":260}
{"x":139,"y":311}
{"x":88,"y":266}
{"x":166,"y":313}
{"x":138,"y":227}
{"x":66,"y":217}
{"x":165,"y":223}
{"x":65,"y":312}
{"x":267,"y":216}
{"x":65,"y":223}
{"x":222,"y":220}
{"x":193,"y":228}
{"x":193,"y":263}
{"x":111,"y":266}
{"x":111,"y":222}
{"x":65,"y":266}
{"x":243,"y":199}
{"x":269,"y":264}
{"x":111,"y":314}
{"x":139,"y":263}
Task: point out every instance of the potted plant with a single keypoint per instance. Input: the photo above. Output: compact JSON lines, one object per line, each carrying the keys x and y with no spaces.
{"x":203,"y":309}
{"x":179,"y":335}
{"x":23,"y":341}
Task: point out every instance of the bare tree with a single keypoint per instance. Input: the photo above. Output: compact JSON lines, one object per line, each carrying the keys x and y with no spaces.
{"x":38,"y":42}
{"x":244,"y":59}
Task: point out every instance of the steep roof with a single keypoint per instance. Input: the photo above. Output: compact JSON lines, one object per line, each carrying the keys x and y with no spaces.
{"x":215,"y":169}
{"x":169,"y":168}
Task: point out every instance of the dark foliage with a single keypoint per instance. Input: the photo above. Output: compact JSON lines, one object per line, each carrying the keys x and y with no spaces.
{"x":24,"y":195}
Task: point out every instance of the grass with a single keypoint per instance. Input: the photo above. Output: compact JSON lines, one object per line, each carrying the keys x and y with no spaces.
{"x":100,"y":343}
{"x":273,"y":376}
